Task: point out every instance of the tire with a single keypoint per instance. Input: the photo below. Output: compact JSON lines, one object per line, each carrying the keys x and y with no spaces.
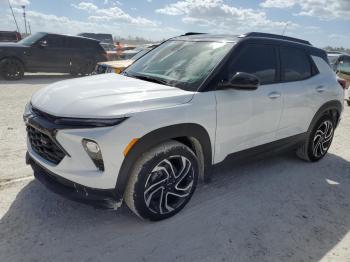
{"x":11,"y":69}
{"x":83,"y":68}
{"x":319,"y":140}
{"x":154,"y":192}
{"x":348,"y":101}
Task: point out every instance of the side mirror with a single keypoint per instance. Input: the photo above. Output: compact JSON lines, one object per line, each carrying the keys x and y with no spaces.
{"x":43,"y":44}
{"x":242,"y":81}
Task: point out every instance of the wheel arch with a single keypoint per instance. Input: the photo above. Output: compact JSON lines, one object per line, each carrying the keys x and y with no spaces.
{"x":333,"y":108}
{"x":13,"y":57}
{"x":192,"y":135}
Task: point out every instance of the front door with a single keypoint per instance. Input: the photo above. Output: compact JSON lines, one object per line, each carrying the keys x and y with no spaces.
{"x":246,"y":119}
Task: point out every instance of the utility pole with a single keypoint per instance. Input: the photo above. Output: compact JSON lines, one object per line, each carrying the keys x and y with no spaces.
{"x":285,"y":28}
{"x":24,"y":17}
{"x":30,"y":30}
{"x":13,"y":15}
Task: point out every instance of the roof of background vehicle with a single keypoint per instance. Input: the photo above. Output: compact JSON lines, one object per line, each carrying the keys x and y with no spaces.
{"x":72,"y":36}
{"x":9,"y":32}
{"x":335,"y":53}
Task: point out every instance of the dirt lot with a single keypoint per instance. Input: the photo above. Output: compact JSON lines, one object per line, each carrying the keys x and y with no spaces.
{"x":275,"y":209}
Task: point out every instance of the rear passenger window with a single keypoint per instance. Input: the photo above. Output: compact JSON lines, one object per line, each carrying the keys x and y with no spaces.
{"x":296,"y":65}
{"x":259,"y":60}
{"x":54,"y":41}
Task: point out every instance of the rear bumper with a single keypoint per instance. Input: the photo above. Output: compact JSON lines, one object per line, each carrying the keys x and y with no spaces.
{"x":100,"y":198}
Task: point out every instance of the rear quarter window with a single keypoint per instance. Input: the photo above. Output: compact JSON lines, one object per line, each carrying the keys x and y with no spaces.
{"x":295,"y":64}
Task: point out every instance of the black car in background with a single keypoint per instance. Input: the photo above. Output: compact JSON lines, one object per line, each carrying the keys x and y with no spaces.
{"x":106,"y":40}
{"x":45,"y":52}
{"x":10,"y":36}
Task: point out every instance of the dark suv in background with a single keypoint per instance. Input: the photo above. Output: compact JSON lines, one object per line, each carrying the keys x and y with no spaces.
{"x":44,"y":52}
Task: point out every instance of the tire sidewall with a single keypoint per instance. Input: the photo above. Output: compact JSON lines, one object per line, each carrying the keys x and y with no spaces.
{"x":146,"y":169}
{"x":3,"y":65}
{"x":312,"y":135}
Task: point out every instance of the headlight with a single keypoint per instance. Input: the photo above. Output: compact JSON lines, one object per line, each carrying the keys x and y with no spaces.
{"x":88,"y":122}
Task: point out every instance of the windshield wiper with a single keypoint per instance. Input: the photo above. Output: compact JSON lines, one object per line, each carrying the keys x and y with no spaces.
{"x":151,"y":79}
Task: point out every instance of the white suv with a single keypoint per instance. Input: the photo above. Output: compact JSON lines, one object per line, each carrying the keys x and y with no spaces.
{"x":147,"y":136}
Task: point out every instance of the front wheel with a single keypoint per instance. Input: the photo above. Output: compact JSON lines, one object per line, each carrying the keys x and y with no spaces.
{"x":319,"y":140}
{"x":162,"y":181}
{"x":11,"y":69}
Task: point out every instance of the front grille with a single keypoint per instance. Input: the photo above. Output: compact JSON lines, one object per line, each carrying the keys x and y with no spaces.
{"x":44,"y":146}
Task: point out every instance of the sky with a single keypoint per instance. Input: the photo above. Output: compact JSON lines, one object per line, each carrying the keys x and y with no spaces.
{"x":322,"y":22}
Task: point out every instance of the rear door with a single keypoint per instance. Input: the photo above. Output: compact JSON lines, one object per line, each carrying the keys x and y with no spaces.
{"x":246,"y":119}
{"x":302,"y":90}
{"x":49,"y":54}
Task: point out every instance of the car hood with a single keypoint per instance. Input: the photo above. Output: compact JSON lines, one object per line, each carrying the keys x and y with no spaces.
{"x":106,"y":95}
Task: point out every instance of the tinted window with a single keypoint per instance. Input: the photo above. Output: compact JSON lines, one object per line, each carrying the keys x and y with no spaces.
{"x":54,"y":41}
{"x":74,"y":42}
{"x":259,"y":60}
{"x":295,"y":64}
{"x":344,"y":65}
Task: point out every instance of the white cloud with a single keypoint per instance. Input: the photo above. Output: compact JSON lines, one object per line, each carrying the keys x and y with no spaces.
{"x":222,"y":17}
{"x":112,"y":15}
{"x":61,"y":24}
{"x":90,"y":7}
{"x":278,"y":3}
{"x":323,"y":9}
{"x":15,"y":2}
{"x":116,"y":14}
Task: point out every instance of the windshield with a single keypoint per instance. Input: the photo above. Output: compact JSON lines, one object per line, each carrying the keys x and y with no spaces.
{"x":32,"y":39}
{"x":183,"y":64}
{"x":139,"y":54}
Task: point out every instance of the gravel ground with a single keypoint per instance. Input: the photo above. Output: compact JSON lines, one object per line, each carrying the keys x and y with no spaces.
{"x":273,"y":209}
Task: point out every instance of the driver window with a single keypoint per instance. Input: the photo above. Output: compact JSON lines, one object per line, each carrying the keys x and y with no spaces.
{"x":259,"y":60}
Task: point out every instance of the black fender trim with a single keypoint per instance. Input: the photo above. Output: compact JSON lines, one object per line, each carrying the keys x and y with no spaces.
{"x":158,"y":136}
{"x":331,"y":105}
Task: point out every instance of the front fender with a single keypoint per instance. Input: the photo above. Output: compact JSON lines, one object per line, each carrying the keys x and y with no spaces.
{"x":158,"y":136}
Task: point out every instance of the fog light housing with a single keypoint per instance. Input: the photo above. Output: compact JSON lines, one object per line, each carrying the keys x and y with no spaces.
{"x":94,"y":152}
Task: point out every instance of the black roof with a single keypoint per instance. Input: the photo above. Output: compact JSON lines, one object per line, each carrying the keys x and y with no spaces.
{"x":192,"y":36}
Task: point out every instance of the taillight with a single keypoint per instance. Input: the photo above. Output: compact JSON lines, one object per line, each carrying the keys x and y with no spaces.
{"x":342,"y":82}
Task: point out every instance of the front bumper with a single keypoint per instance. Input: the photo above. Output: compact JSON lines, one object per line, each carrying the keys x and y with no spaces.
{"x":101,"y":198}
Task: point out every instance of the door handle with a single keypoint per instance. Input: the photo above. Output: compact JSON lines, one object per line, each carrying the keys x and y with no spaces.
{"x":274,"y":95}
{"x":320,"y":89}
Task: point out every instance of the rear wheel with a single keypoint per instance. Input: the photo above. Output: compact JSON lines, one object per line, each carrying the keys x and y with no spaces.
{"x":11,"y":69}
{"x":319,"y":141}
{"x":83,"y":68}
{"x":162,"y":181}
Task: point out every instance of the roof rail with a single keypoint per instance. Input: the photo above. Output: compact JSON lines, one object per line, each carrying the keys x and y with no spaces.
{"x":193,"y":33}
{"x":274,"y":36}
